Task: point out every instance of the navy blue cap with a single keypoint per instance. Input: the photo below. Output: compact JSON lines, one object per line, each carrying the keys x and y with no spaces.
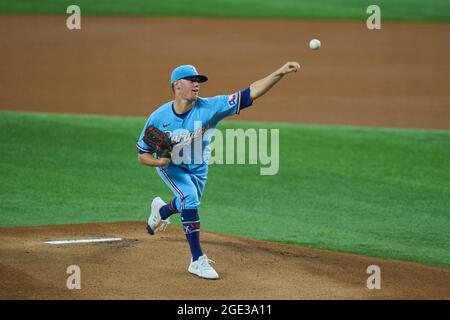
{"x":186,"y":71}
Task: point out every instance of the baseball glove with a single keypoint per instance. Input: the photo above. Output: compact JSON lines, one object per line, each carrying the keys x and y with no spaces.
{"x":158,"y":142}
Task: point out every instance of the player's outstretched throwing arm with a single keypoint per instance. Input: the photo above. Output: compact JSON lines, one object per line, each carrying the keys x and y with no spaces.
{"x":229,"y":105}
{"x":260,"y":87}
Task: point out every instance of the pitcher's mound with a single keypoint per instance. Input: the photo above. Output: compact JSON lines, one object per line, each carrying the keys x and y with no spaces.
{"x":144,"y":267}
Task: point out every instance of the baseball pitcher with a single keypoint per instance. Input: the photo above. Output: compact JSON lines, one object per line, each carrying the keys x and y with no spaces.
{"x":167,"y":143}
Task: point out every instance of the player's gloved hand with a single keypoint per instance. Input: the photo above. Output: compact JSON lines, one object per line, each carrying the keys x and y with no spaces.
{"x":158,"y":142}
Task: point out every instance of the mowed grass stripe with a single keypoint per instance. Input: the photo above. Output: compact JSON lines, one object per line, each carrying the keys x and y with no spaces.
{"x":400,"y":10}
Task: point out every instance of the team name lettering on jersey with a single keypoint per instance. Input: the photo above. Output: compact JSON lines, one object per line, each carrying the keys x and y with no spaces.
{"x":184,"y":137}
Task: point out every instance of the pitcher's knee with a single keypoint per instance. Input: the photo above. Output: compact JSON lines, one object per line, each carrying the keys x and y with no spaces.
{"x":190,"y":201}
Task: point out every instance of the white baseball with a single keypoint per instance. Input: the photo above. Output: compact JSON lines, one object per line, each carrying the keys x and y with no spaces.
{"x":314,"y":44}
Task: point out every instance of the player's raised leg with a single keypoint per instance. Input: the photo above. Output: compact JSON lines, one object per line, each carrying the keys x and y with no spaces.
{"x":157,"y":222}
{"x":168,"y":209}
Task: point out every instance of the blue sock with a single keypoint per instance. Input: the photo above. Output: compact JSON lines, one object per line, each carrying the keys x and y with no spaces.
{"x":191,"y":228}
{"x":168,"y":210}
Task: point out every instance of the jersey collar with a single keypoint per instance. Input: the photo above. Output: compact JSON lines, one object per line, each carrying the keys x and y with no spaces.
{"x":183,"y":115}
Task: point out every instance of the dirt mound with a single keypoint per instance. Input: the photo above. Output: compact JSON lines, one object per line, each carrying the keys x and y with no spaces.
{"x":145,"y":267}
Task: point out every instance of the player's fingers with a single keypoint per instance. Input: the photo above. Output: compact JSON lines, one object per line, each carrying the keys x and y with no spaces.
{"x":294,"y":66}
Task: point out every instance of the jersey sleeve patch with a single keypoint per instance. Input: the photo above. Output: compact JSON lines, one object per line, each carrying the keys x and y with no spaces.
{"x":233,"y":100}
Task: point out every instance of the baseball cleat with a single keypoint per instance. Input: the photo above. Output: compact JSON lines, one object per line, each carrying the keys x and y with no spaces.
{"x":202,"y":268}
{"x":154,"y":222}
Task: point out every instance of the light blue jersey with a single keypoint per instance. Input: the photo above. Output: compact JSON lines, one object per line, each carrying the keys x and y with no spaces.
{"x":187,"y":179}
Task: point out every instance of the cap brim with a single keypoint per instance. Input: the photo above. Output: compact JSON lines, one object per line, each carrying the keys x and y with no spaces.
{"x":201,"y":77}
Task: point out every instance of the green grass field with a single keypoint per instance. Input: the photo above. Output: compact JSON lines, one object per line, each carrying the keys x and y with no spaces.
{"x":377,"y":192}
{"x":401,"y":10}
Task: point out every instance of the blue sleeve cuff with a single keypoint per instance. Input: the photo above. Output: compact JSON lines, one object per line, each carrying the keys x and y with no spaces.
{"x":245,"y":100}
